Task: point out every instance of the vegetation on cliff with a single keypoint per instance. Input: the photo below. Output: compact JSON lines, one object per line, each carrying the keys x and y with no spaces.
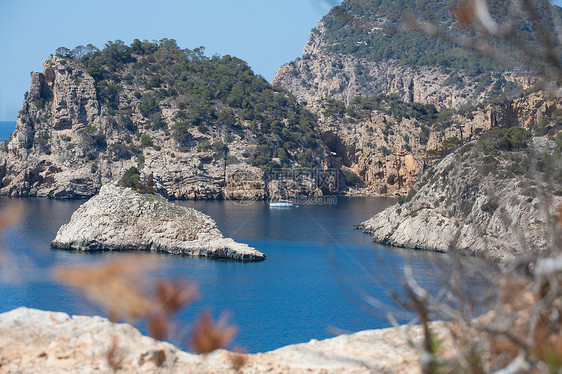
{"x":373,"y":29}
{"x":361,"y":108}
{"x":213,"y":95}
{"x":184,"y":120}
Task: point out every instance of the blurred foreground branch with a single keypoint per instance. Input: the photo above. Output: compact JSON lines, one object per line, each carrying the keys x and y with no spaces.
{"x":123,"y":287}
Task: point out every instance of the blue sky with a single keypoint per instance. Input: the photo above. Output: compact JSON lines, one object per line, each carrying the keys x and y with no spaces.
{"x":265,"y":33}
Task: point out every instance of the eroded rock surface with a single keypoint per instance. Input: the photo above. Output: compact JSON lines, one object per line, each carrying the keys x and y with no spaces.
{"x":390,"y":146}
{"x":488,"y":202}
{"x":71,"y":138}
{"x":35,"y":341}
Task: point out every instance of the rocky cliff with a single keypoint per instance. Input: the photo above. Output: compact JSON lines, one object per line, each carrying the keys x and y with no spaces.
{"x":364,"y":48}
{"x":209,"y":128}
{"x":362,"y":52}
{"x":495,"y":198}
{"x":35,"y":341}
{"x":386,"y":144}
{"x":198,"y":127}
{"x":321,"y":75}
{"x":119,"y":218}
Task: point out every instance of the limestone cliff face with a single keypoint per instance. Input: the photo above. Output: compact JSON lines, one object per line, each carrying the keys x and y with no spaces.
{"x":481,"y":201}
{"x":69,"y":141}
{"x":389,"y":152}
{"x":321,"y":74}
{"x":60,"y":103}
{"x":327,"y":75}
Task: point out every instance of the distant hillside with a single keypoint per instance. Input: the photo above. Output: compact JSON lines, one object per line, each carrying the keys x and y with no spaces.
{"x":372,"y":29}
{"x":196,"y":127}
{"x":390,"y":101}
{"x":362,"y":48}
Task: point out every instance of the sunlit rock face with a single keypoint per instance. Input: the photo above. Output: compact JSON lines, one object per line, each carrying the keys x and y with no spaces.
{"x":121,"y":219}
{"x":76,"y":133}
{"x":492,"y":203}
{"x":39,"y":342}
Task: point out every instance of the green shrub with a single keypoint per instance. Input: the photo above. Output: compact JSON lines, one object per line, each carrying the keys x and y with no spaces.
{"x":146,"y":141}
{"x":408,"y":197}
{"x":203,"y":129}
{"x":352,"y":179}
{"x":490,"y":207}
{"x":120,"y":151}
{"x":466,"y":207}
{"x":219,"y":146}
{"x":451,"y":143}
{"x":505,"y":139}
{"x":157,"y":121}
{"x":40,"y":103}
{"x":148,"y":105}
{"x":180,"y":132}
{"x":132,"y":179}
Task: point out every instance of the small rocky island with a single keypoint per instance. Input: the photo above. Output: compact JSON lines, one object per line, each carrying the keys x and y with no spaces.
{"x":120,"y":218}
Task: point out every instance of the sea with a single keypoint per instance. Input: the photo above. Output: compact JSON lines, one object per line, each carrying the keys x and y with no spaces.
{"x":321,"y":277}
{"x":6,"y":128}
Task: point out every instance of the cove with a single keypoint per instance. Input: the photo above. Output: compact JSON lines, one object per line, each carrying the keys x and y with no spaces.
{"x":317,"y":271}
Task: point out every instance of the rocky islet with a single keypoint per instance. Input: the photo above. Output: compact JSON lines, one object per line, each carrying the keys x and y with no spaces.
{"x":120,"y":218}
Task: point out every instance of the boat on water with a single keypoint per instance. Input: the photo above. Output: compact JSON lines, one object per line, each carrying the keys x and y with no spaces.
{"x":280,"y":201}
{"x":280,"y":204}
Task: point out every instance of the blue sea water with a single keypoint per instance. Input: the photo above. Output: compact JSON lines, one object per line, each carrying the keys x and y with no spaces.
{"x":314,"y":281}
{"x":6,"y":128}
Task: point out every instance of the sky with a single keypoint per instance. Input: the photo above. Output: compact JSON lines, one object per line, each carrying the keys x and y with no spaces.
{"x":265,"y":33}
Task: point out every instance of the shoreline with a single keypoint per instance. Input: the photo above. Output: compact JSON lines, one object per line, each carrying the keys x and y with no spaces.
{"x":37,"y":341}
{"x":212,"y":198}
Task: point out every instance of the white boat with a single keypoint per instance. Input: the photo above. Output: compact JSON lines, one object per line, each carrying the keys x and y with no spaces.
{"x":281,"y":204}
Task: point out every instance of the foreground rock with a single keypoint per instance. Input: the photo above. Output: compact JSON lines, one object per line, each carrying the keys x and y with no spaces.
{"x":481,"y":200}
{"x":35,"y":341}
{"x":121,"y":219}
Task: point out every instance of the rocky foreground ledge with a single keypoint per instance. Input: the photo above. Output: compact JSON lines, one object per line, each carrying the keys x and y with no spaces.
{"x":121,"y":219}
{"x":35,"y":341}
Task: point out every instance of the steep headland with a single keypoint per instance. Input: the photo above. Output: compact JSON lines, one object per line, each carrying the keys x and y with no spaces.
{"x":363,"y":48}
{"x":494,"y":198}
{"x":198,"y":127}
{"x":120,"y":218}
